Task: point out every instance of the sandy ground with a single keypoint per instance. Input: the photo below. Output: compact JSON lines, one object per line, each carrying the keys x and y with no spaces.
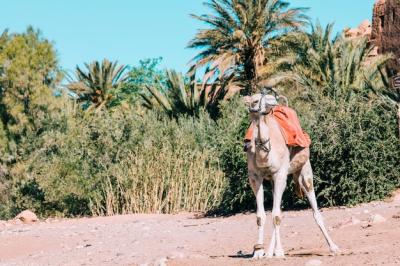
{"x":185,"y":239}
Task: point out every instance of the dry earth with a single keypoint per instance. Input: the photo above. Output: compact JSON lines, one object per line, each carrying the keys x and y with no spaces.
{"x":363,"y":235}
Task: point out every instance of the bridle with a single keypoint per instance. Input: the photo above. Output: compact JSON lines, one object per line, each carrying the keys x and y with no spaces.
{"x":264,"y":93}
{"x":263,"y":145}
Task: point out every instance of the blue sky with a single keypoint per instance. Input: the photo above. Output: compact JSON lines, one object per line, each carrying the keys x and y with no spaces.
{"x":130,"y":30}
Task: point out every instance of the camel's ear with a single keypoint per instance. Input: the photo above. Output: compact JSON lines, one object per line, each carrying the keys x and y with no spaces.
{"x":247,"y":100}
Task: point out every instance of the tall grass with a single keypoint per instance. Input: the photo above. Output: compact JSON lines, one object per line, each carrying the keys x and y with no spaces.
{"x":165,"y":181}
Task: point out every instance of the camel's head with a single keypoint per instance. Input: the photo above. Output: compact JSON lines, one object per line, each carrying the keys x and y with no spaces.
{"x":260,"y":103}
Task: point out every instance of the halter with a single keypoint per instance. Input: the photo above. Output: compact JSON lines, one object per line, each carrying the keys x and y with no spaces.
{"x":263,"y":145}
{"x":266,"y":145}
{"x":264,"y":93}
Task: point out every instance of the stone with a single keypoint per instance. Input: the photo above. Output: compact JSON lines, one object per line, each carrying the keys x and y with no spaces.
{"x":313,"y":263}
{"x":352,"y":221}
{"x":364,"y":29}
{"x":161,"y":262}
{"x":376,"y":219}
{"x":15,"y":222}
{"x":386,"y":31}
{"x":27,"y":217}
{"x":396,"y":196}
{"x":396,"y":216}
{"x":176,"y":255}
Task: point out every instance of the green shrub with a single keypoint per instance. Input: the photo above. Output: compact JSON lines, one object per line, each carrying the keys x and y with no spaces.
{"x":354,"y":154}
{"x":117,"y":163}
{"x":231,"y":128}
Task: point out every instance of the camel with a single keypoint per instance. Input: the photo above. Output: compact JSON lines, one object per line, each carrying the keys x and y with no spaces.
{"x":271,"y":159}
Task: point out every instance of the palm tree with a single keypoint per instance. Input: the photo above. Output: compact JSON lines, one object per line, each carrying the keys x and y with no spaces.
{"x":240,"y":31}
{"x":97,"y":84}
{"x":176,"y":96}
{"x":331,"y":65}
{"x":179,"y":95}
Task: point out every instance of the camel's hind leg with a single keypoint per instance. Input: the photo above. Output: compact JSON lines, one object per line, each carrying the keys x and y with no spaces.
{"x":306,"y":184}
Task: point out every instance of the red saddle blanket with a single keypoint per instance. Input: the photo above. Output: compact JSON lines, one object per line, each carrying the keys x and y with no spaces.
{"x":290,"y":127}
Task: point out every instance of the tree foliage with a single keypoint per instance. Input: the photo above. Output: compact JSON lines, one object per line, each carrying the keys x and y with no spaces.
{"x":97,"y":84}
{"x":29,"y":73}
{"x":146,"y":73}
{"x":184,"y":151}
{"x":235,"y":46}
{"x":331,"y":65}
{"x":177,"y":95}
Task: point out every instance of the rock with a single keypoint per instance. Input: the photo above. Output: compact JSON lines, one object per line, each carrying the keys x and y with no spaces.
{"x":396,"y":216}
{"x":376,"y":219}
{"x":396,"y":196}
{"x":351,"y":221}
{"x":313,"y":263}
{"x":15,"y":222}
{"x":27,"y":217}
{"x":364,"y":29}
{"x":386,"y":29}
{"x":161,"y":262}
{"x":176,"y":255}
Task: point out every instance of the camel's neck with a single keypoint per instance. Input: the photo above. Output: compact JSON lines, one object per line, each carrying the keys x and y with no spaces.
{"x":263,"y":130}
{"x":263,"y":139}
{"x":273,"y":149}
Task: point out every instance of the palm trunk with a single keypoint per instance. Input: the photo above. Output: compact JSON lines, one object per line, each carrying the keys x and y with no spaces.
{"x":250,"y":75}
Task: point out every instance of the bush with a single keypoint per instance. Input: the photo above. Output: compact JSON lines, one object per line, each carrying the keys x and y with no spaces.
{"x":118,"y":163}
{"x":354,"y":153}
{"x":231,"y":128}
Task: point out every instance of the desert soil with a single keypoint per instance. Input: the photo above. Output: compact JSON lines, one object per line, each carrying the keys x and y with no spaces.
{"x":368,"y":234}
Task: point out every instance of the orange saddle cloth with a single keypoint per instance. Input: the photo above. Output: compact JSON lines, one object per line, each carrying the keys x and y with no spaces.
{"x":290,"y":127}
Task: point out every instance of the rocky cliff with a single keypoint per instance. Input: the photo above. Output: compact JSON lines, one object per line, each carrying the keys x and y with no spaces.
{"x":386,"y":30}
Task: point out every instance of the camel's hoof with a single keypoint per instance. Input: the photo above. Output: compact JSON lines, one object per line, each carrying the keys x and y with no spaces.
{"x":258,"y":254}
{"x":334,"y":249}
{"x":279,"y":253}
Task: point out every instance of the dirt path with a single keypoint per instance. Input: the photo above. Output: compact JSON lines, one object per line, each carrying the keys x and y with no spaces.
{"x":185,"y":240}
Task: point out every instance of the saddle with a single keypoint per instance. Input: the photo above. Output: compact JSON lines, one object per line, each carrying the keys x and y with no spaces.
{"x":290,"y":127}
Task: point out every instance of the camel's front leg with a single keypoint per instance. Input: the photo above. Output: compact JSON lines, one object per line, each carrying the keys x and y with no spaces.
{"x":258,"y":190}
{"x":275,"y":247}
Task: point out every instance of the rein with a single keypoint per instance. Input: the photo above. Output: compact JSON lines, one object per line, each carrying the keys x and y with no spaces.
{"x":263,"y":145}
